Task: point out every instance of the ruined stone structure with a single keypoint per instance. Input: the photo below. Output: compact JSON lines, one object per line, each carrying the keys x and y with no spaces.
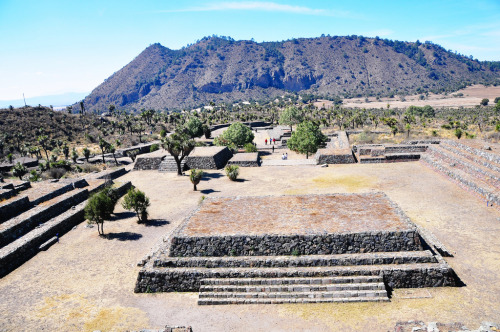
{"x":209,"y":157}
{"x":251,"y":159}
{"x":388,"y":153}
{"x":475,"y":170}
{"x":34,"y":219}
{"x":295,"y":249}
{"x":337,"y":151}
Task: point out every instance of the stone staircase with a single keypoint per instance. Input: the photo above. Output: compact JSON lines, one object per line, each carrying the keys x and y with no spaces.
{"x":292,"y":290}
{"x":473,"y":169}
{"x":168,"y":164}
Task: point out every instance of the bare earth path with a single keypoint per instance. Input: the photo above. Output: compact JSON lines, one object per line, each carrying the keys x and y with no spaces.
{"x":85,"y":283}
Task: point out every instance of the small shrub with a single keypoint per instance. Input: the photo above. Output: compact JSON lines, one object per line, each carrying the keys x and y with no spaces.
{"x":232,"y":172}
{"x":154,"y":148}
{"x":19,"y":170}
{"x":56,"y":173}
{"x":249,"y":147}
{"x":295,"y":252}
{"x":195,"y":177}
{"x":434,"y":133}
{"x":34,"y":176}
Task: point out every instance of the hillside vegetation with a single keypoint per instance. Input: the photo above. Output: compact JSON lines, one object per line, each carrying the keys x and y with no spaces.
{"x":220,"y":69}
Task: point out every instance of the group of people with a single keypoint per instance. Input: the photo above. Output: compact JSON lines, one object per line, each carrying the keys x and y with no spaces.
{"x":271,"y":141}
{"x":284,"y":156}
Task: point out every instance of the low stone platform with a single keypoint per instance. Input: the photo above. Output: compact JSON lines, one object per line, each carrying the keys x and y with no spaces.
{"x":209,"y":157}
{"x":388,"y":153}
{"x":310,"y":236}
{"x":150,"y":161}
{"x":245,"y":159}
{"x":337,"y":151}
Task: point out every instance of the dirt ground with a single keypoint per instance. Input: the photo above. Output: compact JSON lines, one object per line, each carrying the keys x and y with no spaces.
{"x":85,"y":283}
{"x":472,"y":96}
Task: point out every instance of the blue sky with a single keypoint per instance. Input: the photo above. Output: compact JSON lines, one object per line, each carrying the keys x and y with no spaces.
{"x":55,"y":47}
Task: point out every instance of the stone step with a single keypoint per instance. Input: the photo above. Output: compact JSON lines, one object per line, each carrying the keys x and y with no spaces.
{"x":294,"y":294}
{"x":473,"y":167}
{"x":217,"y":301}
{"x":18,"y":226}
{"x":24,"y":248}
{"x":334,"y":280}
{"x":403,"y":257}
{"x":477,"y":156}
{"x":486,"y":190}
{"x":294,"y":287}
{"x":164,"y":279}
{"x":168,"y":164}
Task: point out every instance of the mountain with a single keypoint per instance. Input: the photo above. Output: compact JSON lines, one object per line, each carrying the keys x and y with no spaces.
{"x":220,"y":69}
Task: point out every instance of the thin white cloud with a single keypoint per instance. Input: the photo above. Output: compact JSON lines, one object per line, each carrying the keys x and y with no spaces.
{"x":262,"y":6}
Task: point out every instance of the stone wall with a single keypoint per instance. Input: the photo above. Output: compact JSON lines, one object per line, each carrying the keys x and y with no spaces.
{"x":275,"y":245}
{"x":21,"y":250}
{"x":26,"y":221}
{"x":245,"y":159}
{"x":324,"y":157}
{"x":147,"y":163}
{"x":483,"y":154}
{"x":216,"y":161}
{"x":112,"y":174}
{"x":189,"y":280}
{"x":13,"y":207}
{"x":7,"y":193}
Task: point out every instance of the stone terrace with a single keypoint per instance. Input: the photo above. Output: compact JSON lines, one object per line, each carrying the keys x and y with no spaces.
{"x":281,"y":215}
{"x":334,"y":247}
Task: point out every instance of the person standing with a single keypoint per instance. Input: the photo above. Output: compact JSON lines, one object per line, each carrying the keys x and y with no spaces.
{"x":266,"y":141}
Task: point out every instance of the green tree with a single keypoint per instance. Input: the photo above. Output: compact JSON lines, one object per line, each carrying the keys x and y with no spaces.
{"x":237,"y":134}
{"x":485,"y":101}
{"x":19,"y":170}
{"x":104,"y":146}
{"x":179,"y":145}
{"x":74,"y":155}
{"x":195,"y":177}
{"x":99,"y":208}
{"x":306,"y":139}
{"x":194,"y":127}
{"x":86,"y":153}
{"x":290,"y":116}
{"x":43,"y":140}
{"x":392,"y":123}
{"x":65,"y":151}
{"x":458,"y":133}
{"x":138,"y":201}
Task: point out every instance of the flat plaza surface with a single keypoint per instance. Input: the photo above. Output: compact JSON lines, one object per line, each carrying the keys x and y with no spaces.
{"x":86,"y":282}
{"x":294,"y":214}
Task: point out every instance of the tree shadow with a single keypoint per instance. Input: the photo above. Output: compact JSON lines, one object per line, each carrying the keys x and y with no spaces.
{"x":208,"y":176}
{"x":156,"y":222}
{"x":122,"y":215}
{"x":241,"y":180}
{"x":209,"y":191}
{"x":123,"y":236}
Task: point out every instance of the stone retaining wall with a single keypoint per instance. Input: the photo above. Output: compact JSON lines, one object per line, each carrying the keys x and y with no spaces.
{"x":147,"y":163}
{"x":491,"y":197}
{"x":112,"y":174}
{"x":461,"y":153}
{"x":184,"y":280}
{"x":324,"y":156}
{"x":25,"y":222}
{"x":217,"y":161}
{"x":245,"y":159}
{"x":275,"y":245}
{"x":486,"y":155}
{"x":21,"y":250}
{"x":7,"y":193}
{"x":296,"y":261}
{"x":13,"y":207}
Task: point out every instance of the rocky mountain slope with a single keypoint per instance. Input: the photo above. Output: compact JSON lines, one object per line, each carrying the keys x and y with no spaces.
{"x":220,"y":69}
